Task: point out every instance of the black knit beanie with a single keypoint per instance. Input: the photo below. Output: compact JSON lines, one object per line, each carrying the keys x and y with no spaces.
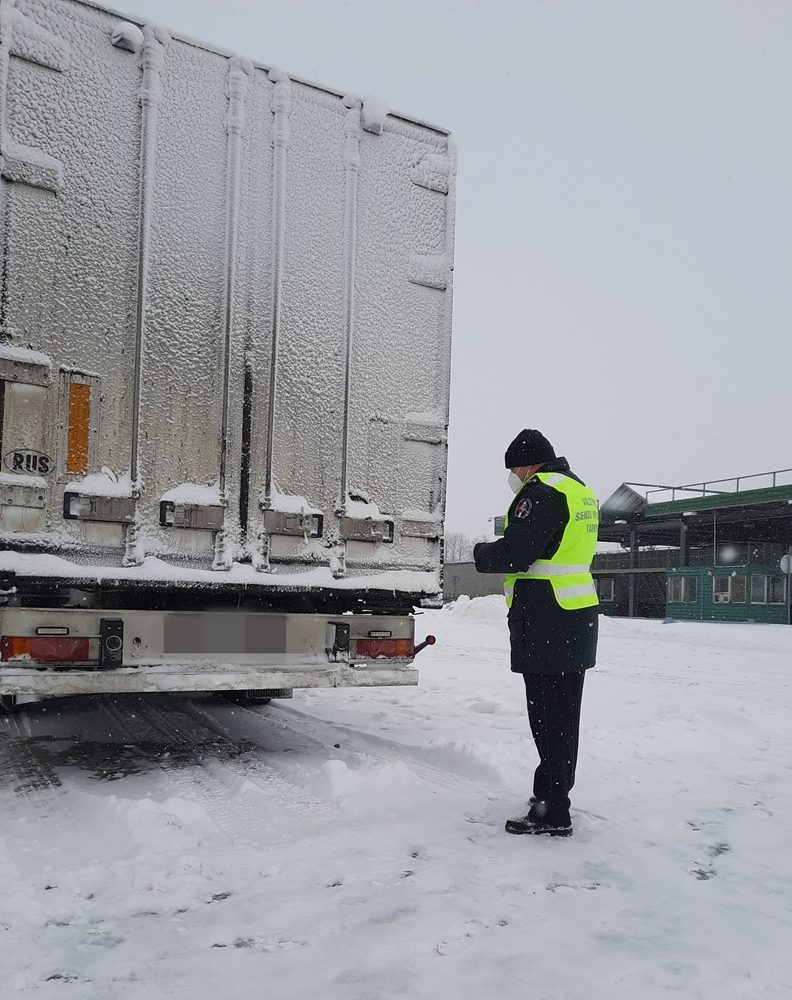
{"x":529,"y":448}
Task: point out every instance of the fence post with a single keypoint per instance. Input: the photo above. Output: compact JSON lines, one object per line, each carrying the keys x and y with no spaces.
{"x":633,"y":567}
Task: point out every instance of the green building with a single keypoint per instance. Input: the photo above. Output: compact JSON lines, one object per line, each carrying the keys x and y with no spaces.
{"x":706,"y":551}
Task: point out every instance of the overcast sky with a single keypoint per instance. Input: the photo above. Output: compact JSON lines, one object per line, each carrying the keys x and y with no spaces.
{"x":624,"y":216}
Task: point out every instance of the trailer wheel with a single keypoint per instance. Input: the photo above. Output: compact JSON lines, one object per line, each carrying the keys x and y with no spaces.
{"x":257,"y":696}
{"x":244,"y":698}
{"x":8,"y":702}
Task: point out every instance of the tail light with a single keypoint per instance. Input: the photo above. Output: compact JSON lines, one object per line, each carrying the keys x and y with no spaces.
{"x":48,"y":649}
{"x":390,"y":649}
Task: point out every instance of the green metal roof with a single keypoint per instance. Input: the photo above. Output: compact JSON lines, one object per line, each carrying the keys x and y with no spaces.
{"x":717,"y":501}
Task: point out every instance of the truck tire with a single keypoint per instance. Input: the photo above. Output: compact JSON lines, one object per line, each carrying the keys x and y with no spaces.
{"x":244,"y":698}
{"x":8,"y":702}
{"x":257,"y":696}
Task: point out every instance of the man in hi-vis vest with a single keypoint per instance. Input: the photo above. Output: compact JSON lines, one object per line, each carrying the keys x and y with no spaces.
{"x":546,"y":553}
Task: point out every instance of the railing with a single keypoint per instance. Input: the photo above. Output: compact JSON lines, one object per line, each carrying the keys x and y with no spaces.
{"x":714,"y":487}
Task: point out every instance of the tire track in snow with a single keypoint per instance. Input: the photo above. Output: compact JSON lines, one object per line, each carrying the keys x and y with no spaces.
{"x":183,"y":774}
{"x":31,"y":774}
{"x":32,"y":791}
{"x":219,"y":768}
{"x":263,"y":775}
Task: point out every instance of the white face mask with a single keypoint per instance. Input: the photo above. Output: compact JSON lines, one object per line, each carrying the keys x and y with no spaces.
{"x":515,"y":483}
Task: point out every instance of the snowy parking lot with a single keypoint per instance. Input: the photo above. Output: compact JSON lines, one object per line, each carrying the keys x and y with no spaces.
{"x":349,"y":844}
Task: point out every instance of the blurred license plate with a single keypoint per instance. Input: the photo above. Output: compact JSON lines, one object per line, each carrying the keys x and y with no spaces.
{"x":224,"y":632}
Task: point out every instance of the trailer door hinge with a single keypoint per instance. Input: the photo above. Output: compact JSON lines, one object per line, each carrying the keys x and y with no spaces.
{"x":354,"y":529}
{"x":82,"y":507}
{"x":278,"y":522}
{"x":208,"y":517}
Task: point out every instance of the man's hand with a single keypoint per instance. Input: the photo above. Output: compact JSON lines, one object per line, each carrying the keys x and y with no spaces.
{"x":478,"y":552}
{"x":536,"y":517}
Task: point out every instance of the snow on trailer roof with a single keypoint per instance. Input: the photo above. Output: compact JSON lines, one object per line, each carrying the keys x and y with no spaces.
{"x":188,"y":40}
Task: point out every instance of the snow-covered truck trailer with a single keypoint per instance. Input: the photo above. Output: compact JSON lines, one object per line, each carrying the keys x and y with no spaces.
{"x":225,"y":323}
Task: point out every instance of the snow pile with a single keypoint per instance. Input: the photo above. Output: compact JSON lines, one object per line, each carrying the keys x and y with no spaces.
{"x":363,"y":510}
{"x":286,"y":503}
{"x":356,"y":786}
{"x":490,"y":610}
{"x":194,"y":493}
{"x":17,"y":479}
{"x":158,"y":571}
{"x":100,"y":484}
{"x":23,"y":355}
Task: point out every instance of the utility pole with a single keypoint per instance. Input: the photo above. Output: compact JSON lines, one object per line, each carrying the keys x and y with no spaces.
{"x":786,"y":567}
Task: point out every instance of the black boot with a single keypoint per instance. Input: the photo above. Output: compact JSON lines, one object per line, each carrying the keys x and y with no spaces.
{"x":542,"y":817}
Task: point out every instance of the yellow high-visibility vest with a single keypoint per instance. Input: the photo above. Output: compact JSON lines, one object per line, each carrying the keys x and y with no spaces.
{"x":569,"y":570}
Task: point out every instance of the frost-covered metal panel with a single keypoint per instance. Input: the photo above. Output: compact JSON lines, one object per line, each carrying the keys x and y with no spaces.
{"x":68,"y":282}
{"x":307,"y":417}
{"x":309,"y":420}
{"x":402,"y":347}
{"x":256,"y":306}
{"x":182,"y":364}
{"x":252,"y":274}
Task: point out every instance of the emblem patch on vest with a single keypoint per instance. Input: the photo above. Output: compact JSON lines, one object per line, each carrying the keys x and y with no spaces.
{"x":523,"y":509}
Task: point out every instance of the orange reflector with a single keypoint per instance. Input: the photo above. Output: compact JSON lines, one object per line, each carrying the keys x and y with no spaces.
{"x":79,"y":428}
{"x":45,"y":648}
{"x":375,"y":649}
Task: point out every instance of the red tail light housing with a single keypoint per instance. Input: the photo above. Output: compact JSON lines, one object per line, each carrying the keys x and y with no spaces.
{"x":47,"y":649}
{"x":384,"y":649}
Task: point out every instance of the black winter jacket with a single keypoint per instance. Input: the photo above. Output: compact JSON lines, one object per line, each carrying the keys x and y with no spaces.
{"x":545,"y":639}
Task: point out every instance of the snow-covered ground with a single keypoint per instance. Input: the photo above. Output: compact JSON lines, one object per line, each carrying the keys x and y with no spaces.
{"x":350,"y":844}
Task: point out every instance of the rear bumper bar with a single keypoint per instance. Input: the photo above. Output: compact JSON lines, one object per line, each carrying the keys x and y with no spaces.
{"x":189,"y":677}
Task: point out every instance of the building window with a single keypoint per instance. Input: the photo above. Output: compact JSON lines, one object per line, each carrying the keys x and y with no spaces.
{"x":728,"y":589}
{"x":605,"y":588}
{"x":758,"y":589}
{"x":777,"y":590}
{"x":720,"y":589}
{"x":768,"y":590}
{"x":682,"y":589}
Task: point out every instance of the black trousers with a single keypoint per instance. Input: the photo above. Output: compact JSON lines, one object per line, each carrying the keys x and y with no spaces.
{"x":554,"y":713}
